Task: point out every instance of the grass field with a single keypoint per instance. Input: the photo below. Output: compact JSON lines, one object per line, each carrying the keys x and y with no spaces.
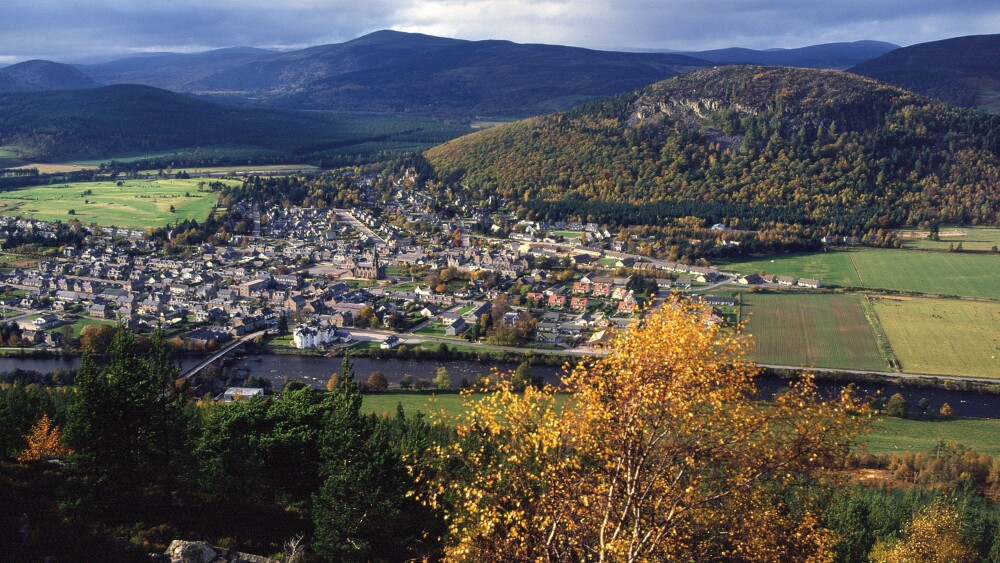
{"x":894,"y":435}
{"x":943,"y":336}
{"x":972,"y":275}
{"x":9,"y":159}
{"x":811,"y":330}
{"x":891,"y":435}
{"x":79,"y":324}
{"x":980,"y":239}
{"x":450,"y":404}
{"x":276,"y":168}
{"x":136,"y":203}
{"x":58,"y":168}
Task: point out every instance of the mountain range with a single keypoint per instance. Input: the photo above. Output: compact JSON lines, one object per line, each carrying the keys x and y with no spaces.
{"x":410,"y":73}
{"x":839,"y":56}
{"x":394,"y":72}
{"x":964,"y":71}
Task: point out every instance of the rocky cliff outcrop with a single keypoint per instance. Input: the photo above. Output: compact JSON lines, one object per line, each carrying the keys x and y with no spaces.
{"x":181,"y":551}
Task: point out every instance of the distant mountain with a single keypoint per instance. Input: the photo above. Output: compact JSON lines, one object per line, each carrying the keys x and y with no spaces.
{"x":838,"y":56}
{"x":964,"y":71}
{"x":396,"y":72}
{"x":39,"y":75}
{"x":172,"y":71}
{"x":130,"y":119}
{"x":797,"y":153}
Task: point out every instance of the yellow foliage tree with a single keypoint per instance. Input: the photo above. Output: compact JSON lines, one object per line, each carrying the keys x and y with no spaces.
{"x":44,"y":441}
{"x":663,"y":452}
{"x":934,"y":536}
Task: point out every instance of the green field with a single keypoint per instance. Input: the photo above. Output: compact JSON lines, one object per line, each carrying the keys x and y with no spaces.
{"x":894,"y":435}
{"x":818,"y":330}
{"x":136,"y":203}
{"x":943,"y":336}
{"x":450,"y":404}
{"x":980,"y":239}
{"x":972,"y":275}
{"x":891,"y":435}
{"x":9,"y":159}
{"x":79,"y":324}
{"x":264,"y":168}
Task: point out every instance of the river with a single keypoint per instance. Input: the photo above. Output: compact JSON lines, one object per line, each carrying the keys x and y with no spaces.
{"x":315,"y":371}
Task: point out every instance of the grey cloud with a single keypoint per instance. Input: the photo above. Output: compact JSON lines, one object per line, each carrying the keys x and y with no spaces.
{"x":70,"y":29}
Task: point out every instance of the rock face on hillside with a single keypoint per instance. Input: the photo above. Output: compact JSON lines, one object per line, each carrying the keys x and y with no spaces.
{"x":181,"y":551}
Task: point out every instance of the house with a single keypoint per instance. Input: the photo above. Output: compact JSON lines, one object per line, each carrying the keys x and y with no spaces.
{"x":578,"y":303}
{"x":45,"y":321}
{"x":456,"y":328}
{"x":601,"y":289}
{"x":752,"y":279}
{"x":628,"y":304}
{"x":100,"y":311}
{"x":556,"y":301}
{"x":786,"y":280}
{"x":714,"y":300}
{"x":390,"y":342}
{"x":510,"y":319}
{"x":807,"y":282}
{"x":241,"y":394}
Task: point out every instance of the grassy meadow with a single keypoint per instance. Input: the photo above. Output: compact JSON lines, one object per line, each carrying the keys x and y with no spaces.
{"x":963,"y":274}
{"x":894,"y":435}
{"x":976,"y":239}
{"x":136,"y":203}
{"x":943,"y":336}
{"x":891,"y":435}
{"x":9,"y":159}
{"x":817,"y":330}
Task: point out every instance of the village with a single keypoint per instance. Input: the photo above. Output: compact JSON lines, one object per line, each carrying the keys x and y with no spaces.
{"x":317,"y":277}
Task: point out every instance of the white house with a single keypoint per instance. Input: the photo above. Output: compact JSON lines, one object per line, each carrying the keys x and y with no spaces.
{"x":318,"y":334}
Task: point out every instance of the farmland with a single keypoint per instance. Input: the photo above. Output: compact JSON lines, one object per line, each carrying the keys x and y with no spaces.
{"x":975,"y":239}
{"x":811,"y":330}
{"x":894,"y":435}
{"x":941,"y":336}
{"x":136,"y":203}
{"x":963,"y":274}
{"x":891,"y":435}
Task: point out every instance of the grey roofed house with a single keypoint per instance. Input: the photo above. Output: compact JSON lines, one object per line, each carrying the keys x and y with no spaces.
{"x":457,"y":327}
{"x":808,"y":282}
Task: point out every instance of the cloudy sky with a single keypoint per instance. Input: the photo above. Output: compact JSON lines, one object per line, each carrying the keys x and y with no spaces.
{"x":69,"y":30}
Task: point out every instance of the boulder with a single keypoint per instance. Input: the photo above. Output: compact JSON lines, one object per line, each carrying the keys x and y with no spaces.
{"x":181,"y":551}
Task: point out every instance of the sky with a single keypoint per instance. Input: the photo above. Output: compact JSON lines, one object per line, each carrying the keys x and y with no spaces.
{"x":72,"y":30}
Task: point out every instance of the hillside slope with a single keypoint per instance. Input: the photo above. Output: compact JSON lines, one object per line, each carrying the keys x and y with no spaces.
{"x":964,"y":71}
{"x":759,"y":147}
{"x":172,"y":71}
{"x":128,"y":119}
{"x":390,"y":71}
{"x":39,"y":75}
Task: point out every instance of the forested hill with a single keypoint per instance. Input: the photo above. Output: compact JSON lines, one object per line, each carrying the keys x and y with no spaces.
{"x":38,"y":75}
{"x":128,"y":119}
{"x":825,"y":152}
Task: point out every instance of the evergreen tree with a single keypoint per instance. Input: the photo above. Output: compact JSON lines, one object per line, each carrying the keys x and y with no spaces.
{"x":361,"y":512}
{"x":129,"y":430}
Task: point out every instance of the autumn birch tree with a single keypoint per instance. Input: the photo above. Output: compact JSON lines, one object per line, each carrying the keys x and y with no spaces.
{"x":662,"y":452}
